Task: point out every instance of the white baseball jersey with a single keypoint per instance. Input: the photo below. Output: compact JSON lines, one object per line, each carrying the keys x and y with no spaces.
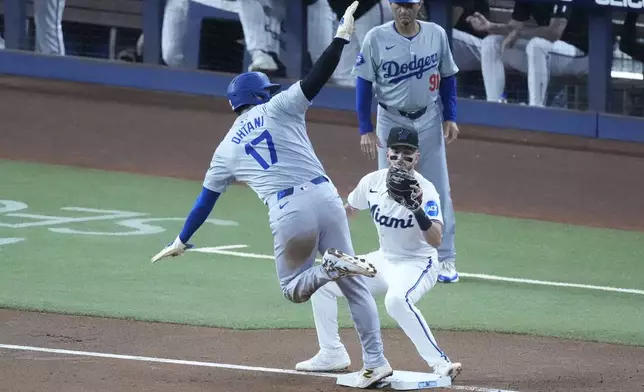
{"x":400,"y":237}
{"x":267,"y":148}
{"x":406,"y":72}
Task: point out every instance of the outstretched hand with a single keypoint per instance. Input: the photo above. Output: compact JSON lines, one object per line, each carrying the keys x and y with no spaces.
{"x":347,"y":23}
{"x":175,"y":248}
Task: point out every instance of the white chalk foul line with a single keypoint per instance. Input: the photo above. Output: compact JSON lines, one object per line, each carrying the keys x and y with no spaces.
{"x":226,"y":250}
{"x":204,"y":364}
{"x":161,"y":360}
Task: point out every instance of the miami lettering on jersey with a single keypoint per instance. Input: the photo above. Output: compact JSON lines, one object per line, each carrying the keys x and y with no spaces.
{"x":388,"y":221}
{"x":245,"y":129}
{"x":395,"y":72}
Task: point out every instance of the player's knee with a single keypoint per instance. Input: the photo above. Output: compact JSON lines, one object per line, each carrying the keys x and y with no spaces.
{"x":491,"y":44}
{"x":294,"y":295}
{"x":396,"y":304}
{"x":172,"y":55}
{"x":538,"y":46}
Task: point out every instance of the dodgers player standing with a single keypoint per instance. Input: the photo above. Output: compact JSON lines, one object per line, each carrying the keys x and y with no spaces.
{"x":268,"y":148}
{"x":406,"y":263}
{"x":409,"y":64}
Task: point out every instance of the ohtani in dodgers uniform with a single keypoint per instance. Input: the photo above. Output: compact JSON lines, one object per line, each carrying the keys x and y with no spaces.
{"x":268,"y":148}
{"x":406,"y":263}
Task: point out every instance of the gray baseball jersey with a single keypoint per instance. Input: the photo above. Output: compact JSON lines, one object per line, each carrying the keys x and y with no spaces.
{"x":267,"y":148}
{"x":405,"y":72}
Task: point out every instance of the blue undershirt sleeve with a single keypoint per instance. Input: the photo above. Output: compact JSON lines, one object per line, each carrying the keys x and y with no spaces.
{"x":200,"y":211}
{"x":447,"y":91}
{"x":364,"y":95}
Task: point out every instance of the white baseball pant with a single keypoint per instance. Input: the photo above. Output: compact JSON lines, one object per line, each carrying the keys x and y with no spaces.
{"x":404,"y":283}
{"x":377,"y":15}
{"x":261,"y":22}
{"x":537,"y":57}
{"x":173,"y":32}
{"x":320,"y":28}
{"x":48,"y":15}
{"x":466,"y":50}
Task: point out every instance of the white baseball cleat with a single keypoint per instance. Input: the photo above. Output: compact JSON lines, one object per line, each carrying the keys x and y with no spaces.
{"x":369,"y":377}
{"x":451,"y":369}
{"x":447,"y":273}
{"x":325,"y":361}
{"x":262,"y":62}
{"x":337,"y":265}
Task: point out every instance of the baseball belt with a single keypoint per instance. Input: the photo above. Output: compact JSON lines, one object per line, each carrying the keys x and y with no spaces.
{"x":411,"y":115}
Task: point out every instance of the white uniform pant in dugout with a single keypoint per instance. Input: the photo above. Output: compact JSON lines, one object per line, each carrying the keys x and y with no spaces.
{"x":537,"y":57}
{"x":404,"y":283}
{"x":466,"y":49}
{"x":48,"y":17}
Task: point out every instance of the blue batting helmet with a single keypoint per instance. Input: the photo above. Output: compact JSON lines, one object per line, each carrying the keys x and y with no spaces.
{"x":250,"y":88}
{"x":405,"y":1}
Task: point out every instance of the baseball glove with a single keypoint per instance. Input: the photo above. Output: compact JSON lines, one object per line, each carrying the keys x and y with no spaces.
{"x":404,"y":188}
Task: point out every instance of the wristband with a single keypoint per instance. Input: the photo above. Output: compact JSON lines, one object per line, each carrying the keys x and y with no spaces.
{"x":423,"y":220}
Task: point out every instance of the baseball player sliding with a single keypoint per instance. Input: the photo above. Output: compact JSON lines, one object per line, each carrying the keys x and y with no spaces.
{"x":408,"y":64}
{"x":268,"y":148}
{"x":406,"y":210}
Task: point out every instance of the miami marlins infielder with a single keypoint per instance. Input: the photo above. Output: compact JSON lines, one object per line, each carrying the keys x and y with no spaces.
{"x":409,"y":64}
{"x":268,"y":148}
{"x":406,"y":260}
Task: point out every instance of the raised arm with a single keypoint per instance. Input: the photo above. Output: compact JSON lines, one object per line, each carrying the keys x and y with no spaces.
{"x":324,"y":67}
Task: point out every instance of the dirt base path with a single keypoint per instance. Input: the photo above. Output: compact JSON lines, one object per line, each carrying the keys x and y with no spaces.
{"x":492,"y":171}
{"x":492,"y":360}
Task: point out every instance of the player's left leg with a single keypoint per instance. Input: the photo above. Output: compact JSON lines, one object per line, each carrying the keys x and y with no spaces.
{"x":408,"y":283}
{"x":545,"y":58}
{"x":332,"y":355}
{"x":48,"y":15}
{"x":466,"y":49}
{"x":433,"y":166}
{"x":320,"y":28}
{"x":335,"y":233}
{"x":261,"y":22}
{"x":173,"y":32}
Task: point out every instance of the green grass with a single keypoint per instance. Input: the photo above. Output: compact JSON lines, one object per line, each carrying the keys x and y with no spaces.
{"x":111,"y":275}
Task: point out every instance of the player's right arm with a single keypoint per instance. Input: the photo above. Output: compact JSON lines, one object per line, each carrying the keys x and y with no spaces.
{"x":357,"y":199}
{"x":216,"y":180}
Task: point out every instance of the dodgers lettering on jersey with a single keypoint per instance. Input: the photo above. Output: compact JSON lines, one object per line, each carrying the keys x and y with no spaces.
{"x":400,"y":237}
{"x":405,"y":72}
{"x":267,"y":148}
